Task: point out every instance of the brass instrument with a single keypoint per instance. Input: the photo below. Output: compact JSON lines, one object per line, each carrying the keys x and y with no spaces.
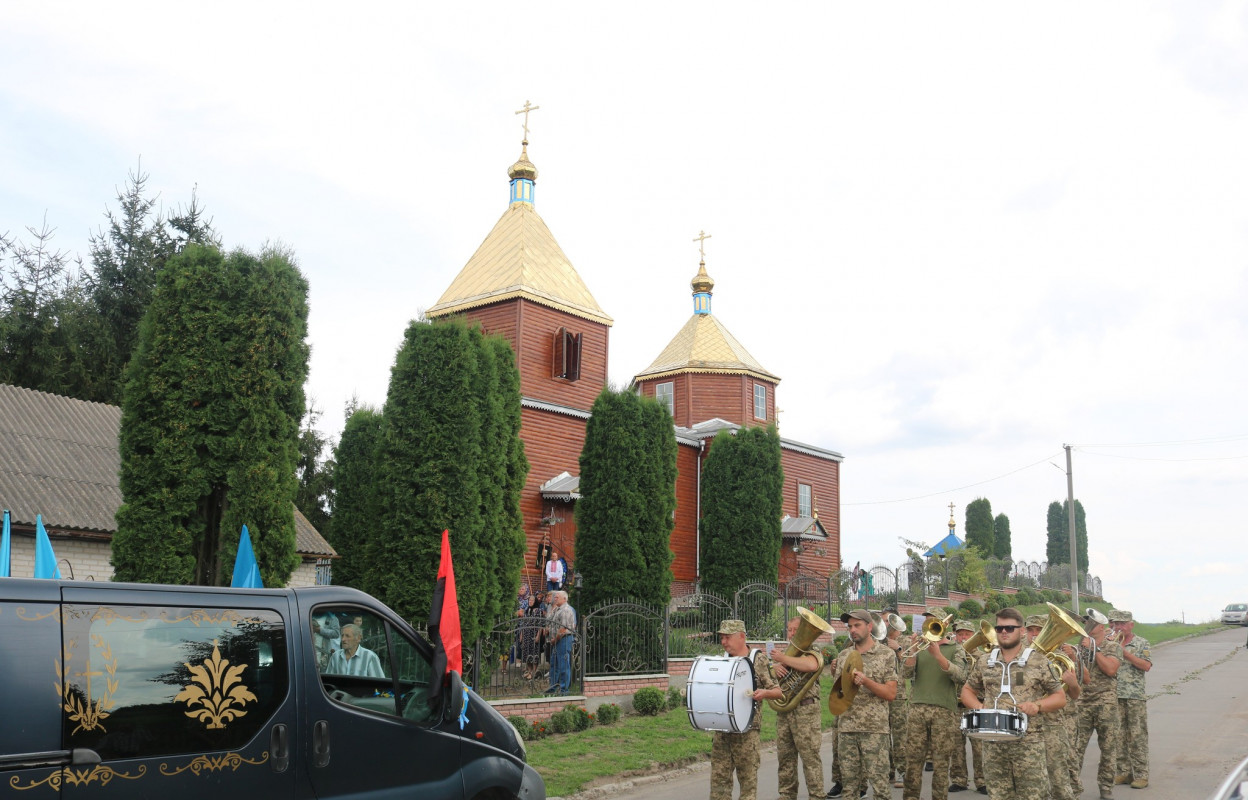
{"x":796,"y":684}
{"x":844,"y":690}
{"x":879,"y":628}
{"x":895,"y":622}
{"x":934,"y":630}
{"x":983,"y":642}
{"x":1060,"y":627}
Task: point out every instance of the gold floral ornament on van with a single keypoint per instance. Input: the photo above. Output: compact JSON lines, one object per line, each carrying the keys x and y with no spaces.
{"x":218,"y":689}
{"x":83,"y":706}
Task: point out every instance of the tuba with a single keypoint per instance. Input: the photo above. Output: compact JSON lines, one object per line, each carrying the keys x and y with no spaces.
{"x":1060,"y":627}
{"x":934,"y":630}
{"x":796,"y":684}
{"x":984,"y":641}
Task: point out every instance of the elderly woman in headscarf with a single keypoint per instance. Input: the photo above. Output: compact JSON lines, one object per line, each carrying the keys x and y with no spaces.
{"x":532,"y":611}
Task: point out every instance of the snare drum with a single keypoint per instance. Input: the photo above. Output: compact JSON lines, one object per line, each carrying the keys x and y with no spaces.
{"x":720,"y":694}
{"x":994,"y":725}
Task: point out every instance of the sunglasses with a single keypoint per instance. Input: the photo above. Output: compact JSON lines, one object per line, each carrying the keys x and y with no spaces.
{"x":1006,"y":628}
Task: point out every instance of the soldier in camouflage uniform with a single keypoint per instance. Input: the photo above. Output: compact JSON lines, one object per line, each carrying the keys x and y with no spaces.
{"x":863,"y":729}
{"x":958,"y":782}
{"x":936,"y":673}
{"x":1098,"y":704}
{"x":798,"y":731}
{"x":1132,"y":702}
{"x":738,"y":752}
{"x":1015,"y":769}
{"x":1056,"y":729}
{"x":897,"y":641}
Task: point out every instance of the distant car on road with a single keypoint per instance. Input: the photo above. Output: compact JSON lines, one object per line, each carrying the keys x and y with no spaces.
{"x":1235,"y":614}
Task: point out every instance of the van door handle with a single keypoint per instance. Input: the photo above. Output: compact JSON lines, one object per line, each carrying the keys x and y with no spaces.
{"x":320,"y":743}
{"x":279,"y":748}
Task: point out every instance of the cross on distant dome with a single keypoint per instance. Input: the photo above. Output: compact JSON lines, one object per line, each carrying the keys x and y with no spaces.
{"x":525,"y":111}
{"x":700,"y":238}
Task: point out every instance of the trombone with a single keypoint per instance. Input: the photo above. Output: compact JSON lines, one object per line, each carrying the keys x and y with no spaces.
{"x":934,"y":631}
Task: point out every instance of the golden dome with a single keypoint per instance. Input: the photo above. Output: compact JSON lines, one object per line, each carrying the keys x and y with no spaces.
{"x":524,"y":167}
{"x":702,"y":282}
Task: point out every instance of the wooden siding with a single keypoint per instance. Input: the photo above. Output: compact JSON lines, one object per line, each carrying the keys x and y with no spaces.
{"x":685,"y":531}
{"x":824,"y":477}
{"x":698,"y":397}
{"x":552,"y":443}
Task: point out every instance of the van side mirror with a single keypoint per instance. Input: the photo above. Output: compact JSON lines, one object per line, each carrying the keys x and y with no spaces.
{"x":454,"y":697}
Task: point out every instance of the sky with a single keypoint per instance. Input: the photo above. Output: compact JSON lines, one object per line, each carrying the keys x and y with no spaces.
{"x":964,"y":235}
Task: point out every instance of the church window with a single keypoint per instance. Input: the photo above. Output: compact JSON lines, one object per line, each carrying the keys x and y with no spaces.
{"x":666,"y":395}
{"x":567,"y":355}
{"x":803,"y":499}
{"x":760,"y":401}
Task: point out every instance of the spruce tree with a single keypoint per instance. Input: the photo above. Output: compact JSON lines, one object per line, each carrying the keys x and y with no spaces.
{"x":356,"y":535}
{"x":741,"y":510}
{"x":1001,"y":545}
{"x":210,"y":420}
{"x":979,"y":526}
{"x":628,"y":493}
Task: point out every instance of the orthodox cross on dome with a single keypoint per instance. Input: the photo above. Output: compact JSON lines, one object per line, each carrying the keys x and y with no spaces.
{"x":525,"y":111}
{"x":700,"y":239}
{"x":952,"y":524}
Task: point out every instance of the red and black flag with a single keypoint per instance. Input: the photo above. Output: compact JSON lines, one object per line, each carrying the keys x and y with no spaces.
{"x":444,"y":632}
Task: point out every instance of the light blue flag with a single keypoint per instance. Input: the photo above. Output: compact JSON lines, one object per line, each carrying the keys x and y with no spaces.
{"x":246,"y":570}
{"x":45,"y":559}
{"x":4,"y":548}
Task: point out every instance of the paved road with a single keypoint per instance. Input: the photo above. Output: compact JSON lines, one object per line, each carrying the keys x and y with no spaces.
{"x":1198,"y":720}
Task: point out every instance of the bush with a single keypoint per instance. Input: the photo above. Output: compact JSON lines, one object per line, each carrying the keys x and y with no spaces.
{"x":970,"y":609}
{"x":674,"y":698}
{"x":521,"y":725}
{"x":951,"y":610}
{"x":608,"y":713}
{"x":649,"y":701}
{"x":563,"y":721}
{"x":581,"y":718}
{"x":540,"y":729}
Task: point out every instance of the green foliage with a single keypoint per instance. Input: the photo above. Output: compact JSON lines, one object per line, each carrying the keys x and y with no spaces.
{"x":522,"y":727}
{"x":314,"y":492}
{"x":628,"y":493}
{"x":970,"y":609}
{"x":210,"y":420}
{"x":674,"y":698}
{"x":994,"y":602}
{"x":540,"y":729}
{"x":1057,"y":550}
{"x":446,"y":461}
{"x":581,"y":718}
{"x":608,"y":714}
{"x":356,"y":535}
{"x":1001,"y":545}
{"x":563,"y":721}
{"x":742,"y":508}
{"x":649,"y":701}
{"x":979,"y":532}
{"x":973,"y":575}
{"x":951,"y":610}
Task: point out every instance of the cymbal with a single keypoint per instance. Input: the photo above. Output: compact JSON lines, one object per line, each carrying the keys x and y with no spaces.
{"x":844,"y":691}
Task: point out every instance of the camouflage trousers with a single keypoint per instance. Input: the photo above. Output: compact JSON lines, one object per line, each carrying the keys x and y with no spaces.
{"x":1133,"y":746}
{"x":1016,"y":770}
{"x":898,"y":710}
{"x":798,"y":734}
{"x":864,"y":763}
{"x":836,"y":754}
{"x":734,"y":752}
{"x":1102,"y":719}
{"x":1057,"y":753}
{"x":937,"y":728}
{"x":957,"y":766}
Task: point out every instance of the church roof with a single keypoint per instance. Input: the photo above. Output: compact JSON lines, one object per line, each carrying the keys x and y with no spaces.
{"x":520,"y":258}
{"x":704,"y":344}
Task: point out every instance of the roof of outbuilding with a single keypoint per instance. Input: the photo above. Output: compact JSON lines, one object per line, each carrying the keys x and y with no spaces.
{"x":59,"y":458}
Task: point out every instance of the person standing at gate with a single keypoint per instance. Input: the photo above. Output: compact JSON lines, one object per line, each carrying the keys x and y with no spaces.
{"x":560,"y":631}
{"x":554,"y":572}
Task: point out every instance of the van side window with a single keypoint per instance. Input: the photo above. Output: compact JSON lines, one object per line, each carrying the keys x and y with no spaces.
{"x":142,"y":681}
{"x":356,"y":667}
{"x":415,"y":676}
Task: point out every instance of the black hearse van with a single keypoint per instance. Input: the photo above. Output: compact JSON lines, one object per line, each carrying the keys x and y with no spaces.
{"x":114,"y":690}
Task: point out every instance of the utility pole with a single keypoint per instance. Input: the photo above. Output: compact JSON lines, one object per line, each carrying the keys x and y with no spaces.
{"x":1070,"y":519}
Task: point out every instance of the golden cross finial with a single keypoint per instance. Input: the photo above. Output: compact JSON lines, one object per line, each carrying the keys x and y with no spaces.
{"x":525,"y":111}
{"x":700,"y":238}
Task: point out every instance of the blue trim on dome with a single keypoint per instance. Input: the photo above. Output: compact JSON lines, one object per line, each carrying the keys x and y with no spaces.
{"x":701,"y":302}
{"x":522,"y":190}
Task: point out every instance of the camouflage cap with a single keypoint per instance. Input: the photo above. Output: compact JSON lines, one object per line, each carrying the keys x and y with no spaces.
{"x":859,"y":613}
{"x":965,"y":625}
{"x":731,"y":626}
{"x":1118,"y":615}
{"x":1037,"y":621}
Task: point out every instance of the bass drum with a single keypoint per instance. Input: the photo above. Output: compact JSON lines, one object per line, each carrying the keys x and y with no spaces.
{"x":992,"y":725}
{"x":720,"y":694}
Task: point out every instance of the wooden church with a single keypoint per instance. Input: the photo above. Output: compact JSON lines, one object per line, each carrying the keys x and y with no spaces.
{"x":521,"y":285}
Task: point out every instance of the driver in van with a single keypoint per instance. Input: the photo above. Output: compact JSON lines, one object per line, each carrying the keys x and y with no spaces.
{"x":353,"y":659}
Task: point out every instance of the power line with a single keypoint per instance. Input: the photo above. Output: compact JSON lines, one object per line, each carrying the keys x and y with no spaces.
{"x":1208,"y":440}
{"x":958,"y":489}
{"x":1146,"y":458}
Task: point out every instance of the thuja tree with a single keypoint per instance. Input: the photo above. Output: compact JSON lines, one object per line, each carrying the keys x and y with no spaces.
{"x":446,"y":462}
{"x":355,"y":535}
{"x":741,"y":501}
{"x":979,"y":531}
{"x":1057,"y":549}
{"x":1002,"y":548}
{"x":210,"y":419}
{"x":628,"y":494}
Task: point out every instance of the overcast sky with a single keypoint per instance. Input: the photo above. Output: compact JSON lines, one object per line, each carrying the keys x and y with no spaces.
{"x":963,"y":235}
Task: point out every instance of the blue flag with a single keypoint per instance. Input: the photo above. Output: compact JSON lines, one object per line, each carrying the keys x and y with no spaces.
{"x":246,"y":570}
{"x":45,"y":559}
{"x":4,"y":548}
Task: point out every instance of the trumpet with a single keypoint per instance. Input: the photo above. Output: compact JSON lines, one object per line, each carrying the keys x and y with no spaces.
{"x":934,"y":631}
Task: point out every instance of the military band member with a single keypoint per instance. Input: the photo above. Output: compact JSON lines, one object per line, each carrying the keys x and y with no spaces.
{"x":1132,"y":702}
{"x":863,"y":730}
{"x":963,"y":630}
{"x":1015,"y":769}
{"x":935,"y":673}
{"x":897,"y":641}
{"x":1059,"y":729}
{"x":798,"y":731}
{"x":1098,"y":703}
{"x":738,"y":752}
